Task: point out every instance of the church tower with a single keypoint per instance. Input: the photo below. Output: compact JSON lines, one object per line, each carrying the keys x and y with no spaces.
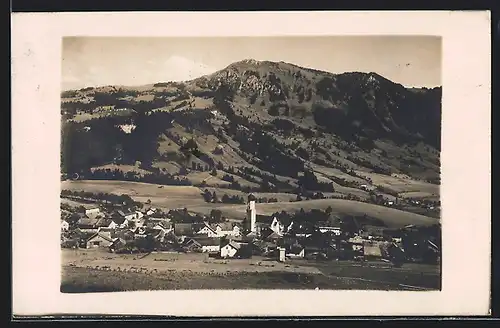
{"x":251,"y":214}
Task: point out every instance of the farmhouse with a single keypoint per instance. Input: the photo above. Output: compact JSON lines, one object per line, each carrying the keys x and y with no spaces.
{"x":106,"y":223}
{"x":226,"y":229}
{"x":273,"y":236}
{"x":334,"y":230}
{"x":230,"y":249}
{"x":207,"y":230}
{"x":160,"y":225}
{"x":99,"y":240}
{"x":183,"y":229}
{"x":295,"y":251}
{"x":277,"y":227}
{"x":87,"y":224}
{"x":264,"y":247}
{"x":64,"y":225}
{"x":150,"y":211}
{"x":191,"y":244}
{"x":92,"y":211}
{"x":129,"y":215}
{"x":209,"y":245}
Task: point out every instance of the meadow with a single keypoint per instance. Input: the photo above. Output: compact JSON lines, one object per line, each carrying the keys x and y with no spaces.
{"x":97,"y":271}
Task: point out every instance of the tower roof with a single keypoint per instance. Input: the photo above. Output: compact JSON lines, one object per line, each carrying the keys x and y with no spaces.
{"x":251,"y":197}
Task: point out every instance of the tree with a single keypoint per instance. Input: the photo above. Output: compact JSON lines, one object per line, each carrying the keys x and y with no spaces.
{"x":214,"y":172}
{"x":329,"y":210}
{"x":216,"y":215}
{"x":207,"y":196}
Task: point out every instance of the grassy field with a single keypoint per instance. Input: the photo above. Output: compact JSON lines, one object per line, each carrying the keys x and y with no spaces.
{"x":393,"y":218}
{"x":161,"y":196}
{"x":187,"y":196}
{"x":83,"y":272}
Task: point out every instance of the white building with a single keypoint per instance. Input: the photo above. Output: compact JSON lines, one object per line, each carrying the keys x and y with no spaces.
{"x":335,"y":230}
{"x":92,"y":212}
{"x":229,"y":250}
{"x":277,"y":227}
{"x":64,"y":225}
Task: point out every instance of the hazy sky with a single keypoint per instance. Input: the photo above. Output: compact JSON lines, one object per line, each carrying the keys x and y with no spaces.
{"x":95,"y":61}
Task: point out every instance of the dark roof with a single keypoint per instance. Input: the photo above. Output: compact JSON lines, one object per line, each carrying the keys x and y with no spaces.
{"x":102,"y":235}
{"x":125,"y":234}
{"x":87,"y":222}
{"x":93,"y":215}
{"x":182,"y":228}
{"x":103,"y":222}
{"x":234,"y":244}
{"x":204,"y":241}
{"x":273,"y":236}
{"x":263,"y":219}
{"x":251,"y":197}
{"x":225,"y":226}
{"x":118,"y":219}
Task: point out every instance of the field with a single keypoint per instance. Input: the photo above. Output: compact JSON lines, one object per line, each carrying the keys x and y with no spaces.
{"x":393,"y":218}
{"x":83,"y":272}
{"x":162,"y":196}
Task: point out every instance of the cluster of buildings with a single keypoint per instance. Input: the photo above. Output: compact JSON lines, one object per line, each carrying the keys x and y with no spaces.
{"x":179,"y":230}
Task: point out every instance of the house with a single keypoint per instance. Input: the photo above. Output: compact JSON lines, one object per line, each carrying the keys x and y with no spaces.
{"x":273,"y":237}
{"x":209,"y":245}
{"x":336,"y":231}
{"x":295,"y":251}
{"x":64,"y":225}
{"x":183,"y":229}
{"x":261,"y":222}
{"x":226,"y":229}
{"x":150,"y":211}
{"x":106,"y":223}
{"x":264,"y":247}
{"x":138,"y":215}
{"x":208,"y":231}
{"x":159,"y":225}
{"x":281,"y":254}
{"x":128,"y":215}
{"x":372,"y":249}
{"x":92,"y":211}
{"x":191,"y":244}
{"x":230,"y":249}
{"x":99,"y":240}
{"x":277,"y":226}
{"x":87,"y":225}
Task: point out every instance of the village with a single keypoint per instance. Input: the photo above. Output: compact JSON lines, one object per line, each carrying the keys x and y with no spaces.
{"x":134,"y":228}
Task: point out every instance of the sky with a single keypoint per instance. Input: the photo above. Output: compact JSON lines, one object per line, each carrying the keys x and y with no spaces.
{"x":413,"y":61}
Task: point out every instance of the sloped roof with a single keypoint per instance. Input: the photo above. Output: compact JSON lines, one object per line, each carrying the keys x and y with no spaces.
{"x":183,"y":227}
{"x":234,"y":245}
{"x":225,"y":226}
{"x":93,"y":215}
{"x":203,"y":241}
{"x":88,"y":222}
{"x":118,"y":220}
{"x":104,"y":222}
{"x":102,"y":235}
{"x":263,"y":219}
{"x":273,"y":235}
{"x":125,"y":234}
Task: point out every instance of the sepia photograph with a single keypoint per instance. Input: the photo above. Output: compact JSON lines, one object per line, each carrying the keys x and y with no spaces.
{"x":250,"y":163}
{"x":243,"y":166}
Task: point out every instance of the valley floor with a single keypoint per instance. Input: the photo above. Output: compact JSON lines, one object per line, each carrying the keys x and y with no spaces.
{"x":99,"y":271}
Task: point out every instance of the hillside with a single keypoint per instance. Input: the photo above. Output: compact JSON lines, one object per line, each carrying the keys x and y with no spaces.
{"x":269,"y":127}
